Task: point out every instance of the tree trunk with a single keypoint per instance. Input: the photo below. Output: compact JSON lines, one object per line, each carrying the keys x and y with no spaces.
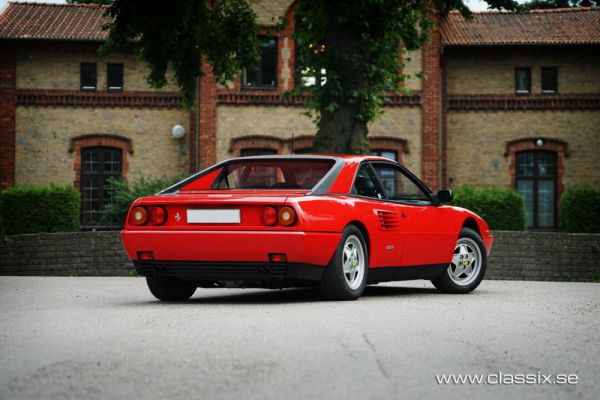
{"x":340,"y":133}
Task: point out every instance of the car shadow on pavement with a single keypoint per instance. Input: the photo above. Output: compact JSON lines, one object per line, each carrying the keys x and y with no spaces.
{"x":289,"y":295}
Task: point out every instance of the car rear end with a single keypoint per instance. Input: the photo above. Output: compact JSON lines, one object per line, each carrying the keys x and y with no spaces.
{"x":210,"y":232}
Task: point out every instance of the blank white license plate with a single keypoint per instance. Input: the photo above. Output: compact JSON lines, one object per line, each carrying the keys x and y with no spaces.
{"x":213,"y":216}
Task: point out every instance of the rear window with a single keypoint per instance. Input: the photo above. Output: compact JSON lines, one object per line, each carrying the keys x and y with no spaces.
{"x":273,"y":174}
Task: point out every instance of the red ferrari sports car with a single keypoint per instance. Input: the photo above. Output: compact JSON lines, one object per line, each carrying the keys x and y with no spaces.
{"x":339,"y":222}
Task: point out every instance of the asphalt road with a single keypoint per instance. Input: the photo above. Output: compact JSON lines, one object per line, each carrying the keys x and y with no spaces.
{"x":107,"y":338}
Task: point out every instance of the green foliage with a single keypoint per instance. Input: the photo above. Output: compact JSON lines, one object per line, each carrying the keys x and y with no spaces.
{"x":177,"y":35}
{"x":126,"y":193}
{"x":37,"y":209}
{"x":90,"y":1}
{"x":580,"y":209}
{"x":502,"y":208}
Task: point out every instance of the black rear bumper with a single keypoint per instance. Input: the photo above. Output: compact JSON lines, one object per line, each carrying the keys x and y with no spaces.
{"x":211,"y":271}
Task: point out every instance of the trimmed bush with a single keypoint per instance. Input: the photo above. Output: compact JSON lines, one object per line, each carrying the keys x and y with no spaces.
{"x":502,"y":208}
{"x":126,"y":193}
{"x":37,"y":209}
{"x":579,"y":209}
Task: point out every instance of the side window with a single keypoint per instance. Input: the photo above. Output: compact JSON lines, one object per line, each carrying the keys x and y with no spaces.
{"x":88,"y":76}
{"x":366,"y":183}
{"x":398,"y":186}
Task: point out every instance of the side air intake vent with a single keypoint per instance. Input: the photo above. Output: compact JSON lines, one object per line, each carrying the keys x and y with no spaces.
{"x":388,"y":220}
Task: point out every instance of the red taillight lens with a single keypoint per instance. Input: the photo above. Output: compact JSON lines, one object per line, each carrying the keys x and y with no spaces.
{"x":139,"y":216}
{"x":158,"y":215}
{"x":145,"y":255}
{"x":269,"y":216}
{"x":287,"y":216}
{"x":277,"y":257}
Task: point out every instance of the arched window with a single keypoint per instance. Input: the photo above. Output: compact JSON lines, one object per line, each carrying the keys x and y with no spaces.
{"x":537,"y":169}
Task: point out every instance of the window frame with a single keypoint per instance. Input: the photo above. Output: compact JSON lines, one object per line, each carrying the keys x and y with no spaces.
{"x":259,"y":68}
{"x":115,"y":88}
{"x":404,"y":171}
{"x":265,"y":151}
{"x":82,"y":86}
{"x":522,"y":92}
{"x":535,"y":178}
{"x":549,"y":91}
{"x":83,"y":175}
{"x":379,"y":152}
{"x":411,"y":177}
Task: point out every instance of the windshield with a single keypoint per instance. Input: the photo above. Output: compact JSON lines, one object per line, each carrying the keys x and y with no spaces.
{"x":273,"y":174}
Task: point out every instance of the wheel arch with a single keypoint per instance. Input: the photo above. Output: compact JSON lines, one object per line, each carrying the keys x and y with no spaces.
{"x":471,"y":224}
{"x":363,"y":229}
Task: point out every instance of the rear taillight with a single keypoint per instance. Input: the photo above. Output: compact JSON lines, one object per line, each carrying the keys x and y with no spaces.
{"x":269,"y":216}
{"x":139,"y":216}
{"x":286,"y":216}
{"x":158,"y":215}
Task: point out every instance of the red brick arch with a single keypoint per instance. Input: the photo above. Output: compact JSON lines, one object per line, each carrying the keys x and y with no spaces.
{"x":99,"y":139}
{"x":557,"y":146}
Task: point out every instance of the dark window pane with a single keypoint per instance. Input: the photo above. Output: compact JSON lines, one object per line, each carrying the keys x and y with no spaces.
{"x":265,"y":73}
{"x":89,"y":76}
{"x":546,"y":164}
{"x":523,"y":80}
{"x":525,"y":189}
{"x":365,"y":184}
{"x":549,"y":80}
{"x":114,"y":76}
{"x":255,"y":151}
{"x":525,"y":164}
{"x":546,"y":203}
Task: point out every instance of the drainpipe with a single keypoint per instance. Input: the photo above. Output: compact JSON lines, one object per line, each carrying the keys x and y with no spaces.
{"x":197,"y":133}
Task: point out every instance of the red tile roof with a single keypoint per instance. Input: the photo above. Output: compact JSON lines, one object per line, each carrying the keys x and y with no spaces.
{"x":44,"y":21}
{"x":544,"y":27}
{"x":81,"y":22}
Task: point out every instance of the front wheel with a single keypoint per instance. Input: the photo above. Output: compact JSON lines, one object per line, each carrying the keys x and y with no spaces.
{"x":468,"y":265}
{"x":170,"y":289}
{"x":345,"y":277}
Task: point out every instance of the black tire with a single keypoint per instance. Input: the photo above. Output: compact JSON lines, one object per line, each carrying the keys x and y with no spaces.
{"x":333,"y":284}
{"x":170,"y":289}
{"x":447,"y":285}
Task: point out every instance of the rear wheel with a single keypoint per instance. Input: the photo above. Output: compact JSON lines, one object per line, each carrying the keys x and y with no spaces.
{"x":346,"y":275}
{"x":170,"y":289}
{"x":468,"y":265}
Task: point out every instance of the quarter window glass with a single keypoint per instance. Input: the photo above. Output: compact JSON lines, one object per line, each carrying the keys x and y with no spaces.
{"x":398,"y":186}
{"x":366,"y":183}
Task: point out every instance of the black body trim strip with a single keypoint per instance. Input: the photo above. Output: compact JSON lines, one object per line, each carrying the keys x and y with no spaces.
{"x":386,"y":274}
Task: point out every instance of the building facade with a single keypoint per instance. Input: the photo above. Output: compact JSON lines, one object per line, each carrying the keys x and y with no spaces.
{"x":508,"y":100}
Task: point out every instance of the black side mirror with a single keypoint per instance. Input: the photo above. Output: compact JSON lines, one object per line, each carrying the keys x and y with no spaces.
{"x":443,"y":196}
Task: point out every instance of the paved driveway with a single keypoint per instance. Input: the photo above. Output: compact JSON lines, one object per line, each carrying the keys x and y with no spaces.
{"x":100,"y":338}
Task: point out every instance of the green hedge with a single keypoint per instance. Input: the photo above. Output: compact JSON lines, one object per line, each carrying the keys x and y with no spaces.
{"x":579,"y":209}
{"x":36,"y":209}
{"x":502,"y":208}
{"x":126,"y":193}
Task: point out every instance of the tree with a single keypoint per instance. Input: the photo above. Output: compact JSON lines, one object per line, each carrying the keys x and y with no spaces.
{"x":90,"y":1}
{"x":356,"y":43}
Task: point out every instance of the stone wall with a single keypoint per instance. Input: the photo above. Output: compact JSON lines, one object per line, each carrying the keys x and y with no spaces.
{"x":515,"y":255}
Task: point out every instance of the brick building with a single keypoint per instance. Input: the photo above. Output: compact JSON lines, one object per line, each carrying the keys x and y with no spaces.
{"x":509,"y":100}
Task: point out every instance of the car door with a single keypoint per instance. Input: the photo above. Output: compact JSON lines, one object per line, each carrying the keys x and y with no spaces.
{"x":427,"y":235}
{"x":379,"y":215}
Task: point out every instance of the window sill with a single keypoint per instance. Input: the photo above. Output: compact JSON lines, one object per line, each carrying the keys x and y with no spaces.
{"x":266,"y":88}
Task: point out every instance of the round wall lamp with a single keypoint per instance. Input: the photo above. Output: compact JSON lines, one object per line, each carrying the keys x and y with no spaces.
{"x":178,"y":131}
{"x":539,"y":143}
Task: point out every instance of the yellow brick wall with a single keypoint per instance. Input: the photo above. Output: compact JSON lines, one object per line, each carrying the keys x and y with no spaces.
{"x":58,"y":67}
{"x":412,"y":66}
{"x":281,"y":121}
{"x":477,"y":141}
{"x":43,"y":137}
{"x":492,"y":71}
